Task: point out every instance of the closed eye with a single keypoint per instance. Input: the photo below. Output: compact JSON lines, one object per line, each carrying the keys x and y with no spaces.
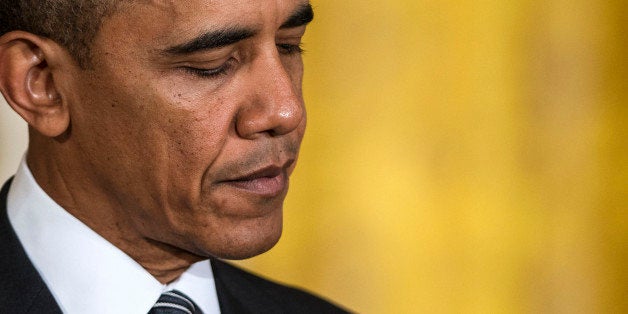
{"x":224,"y":69}
{"x":290,"y":49}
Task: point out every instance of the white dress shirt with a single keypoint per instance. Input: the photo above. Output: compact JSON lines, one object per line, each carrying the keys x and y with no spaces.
{"x":84,"y":272}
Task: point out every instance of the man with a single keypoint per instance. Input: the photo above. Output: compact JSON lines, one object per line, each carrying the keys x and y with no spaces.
{"x":161,"y":134}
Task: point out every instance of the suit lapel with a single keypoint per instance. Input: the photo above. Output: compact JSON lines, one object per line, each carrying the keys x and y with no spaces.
{"x":239,"y":293}
{"x":22,"y":289}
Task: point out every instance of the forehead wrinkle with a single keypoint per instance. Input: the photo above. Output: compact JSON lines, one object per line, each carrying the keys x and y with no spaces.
{"x":160,"y":3}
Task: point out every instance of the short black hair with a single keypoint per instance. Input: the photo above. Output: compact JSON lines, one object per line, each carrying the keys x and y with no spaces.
{"x":71,"y":23}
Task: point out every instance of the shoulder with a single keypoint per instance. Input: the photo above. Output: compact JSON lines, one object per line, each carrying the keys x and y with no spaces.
{"x":268,"y":295}
{"x":21,"y":290}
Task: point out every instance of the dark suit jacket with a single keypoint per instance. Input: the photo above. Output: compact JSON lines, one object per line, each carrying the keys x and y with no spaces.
{"x":22,"y":290}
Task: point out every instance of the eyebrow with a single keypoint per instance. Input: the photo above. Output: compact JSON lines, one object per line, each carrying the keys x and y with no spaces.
{"x":212,"y":40}
{"x":225,"y":37}
{"x":302,"y":16}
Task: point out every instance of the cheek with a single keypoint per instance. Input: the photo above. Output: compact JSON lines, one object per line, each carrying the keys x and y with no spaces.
{"x":151,"y":139}
{"x":193,"y":135}
{"x":197,"y":126}
{"x":192,"y":143}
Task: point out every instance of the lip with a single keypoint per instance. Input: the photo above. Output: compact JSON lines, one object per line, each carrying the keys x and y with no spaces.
{"x":267,"y":182}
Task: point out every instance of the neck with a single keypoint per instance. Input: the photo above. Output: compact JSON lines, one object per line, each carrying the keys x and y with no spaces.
{"x":73,"y":190}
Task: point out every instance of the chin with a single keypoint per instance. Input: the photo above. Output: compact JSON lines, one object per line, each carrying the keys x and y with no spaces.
{"x":245,"y":240}
{"x":245,"y":252}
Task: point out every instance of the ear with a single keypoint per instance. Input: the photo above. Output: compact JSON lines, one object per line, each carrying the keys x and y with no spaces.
{"x":27,"y":82}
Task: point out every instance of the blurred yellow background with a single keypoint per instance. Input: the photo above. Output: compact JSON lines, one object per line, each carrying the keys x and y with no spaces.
{"x":461,"y":157}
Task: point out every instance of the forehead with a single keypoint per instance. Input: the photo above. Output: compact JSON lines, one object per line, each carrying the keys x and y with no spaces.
{"x":151,"y":25}
{"x":192,"y":14}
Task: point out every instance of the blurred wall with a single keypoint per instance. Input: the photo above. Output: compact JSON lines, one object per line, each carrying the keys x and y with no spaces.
{"x":13,"y":140}
{"x":461,"y":157}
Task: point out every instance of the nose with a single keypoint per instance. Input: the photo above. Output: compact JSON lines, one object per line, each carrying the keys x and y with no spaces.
{"x":276,"y":105}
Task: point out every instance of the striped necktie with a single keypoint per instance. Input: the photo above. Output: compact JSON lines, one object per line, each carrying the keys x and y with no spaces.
{"x":174,"y":302}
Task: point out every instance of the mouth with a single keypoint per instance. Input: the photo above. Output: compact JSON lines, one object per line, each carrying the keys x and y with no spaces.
{"x":268,"y":182}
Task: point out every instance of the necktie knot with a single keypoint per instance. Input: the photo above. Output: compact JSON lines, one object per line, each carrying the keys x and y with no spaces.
{"x":174,"y":302}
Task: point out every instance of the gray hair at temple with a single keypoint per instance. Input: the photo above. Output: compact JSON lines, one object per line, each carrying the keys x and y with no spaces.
{"x":73,"y":24}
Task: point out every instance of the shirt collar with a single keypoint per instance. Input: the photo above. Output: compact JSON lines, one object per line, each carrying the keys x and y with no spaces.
{"x":84,"y":272}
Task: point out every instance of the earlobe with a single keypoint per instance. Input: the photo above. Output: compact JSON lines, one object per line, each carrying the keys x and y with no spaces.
{"x":28,"y":85}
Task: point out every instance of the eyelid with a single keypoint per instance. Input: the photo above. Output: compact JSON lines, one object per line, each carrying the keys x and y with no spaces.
{"x":290,"y":45}
{"x":290,"y":49}
{"x":223,"y":69}
{"x":298,"y":31}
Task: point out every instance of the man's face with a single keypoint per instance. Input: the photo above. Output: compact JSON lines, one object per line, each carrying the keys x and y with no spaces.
{"x":191,"y":118}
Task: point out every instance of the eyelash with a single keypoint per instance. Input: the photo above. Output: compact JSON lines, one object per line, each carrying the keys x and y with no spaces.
{"x":284,"y":49}
{"x":290,"y":49}
{"x":210,"y":73}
